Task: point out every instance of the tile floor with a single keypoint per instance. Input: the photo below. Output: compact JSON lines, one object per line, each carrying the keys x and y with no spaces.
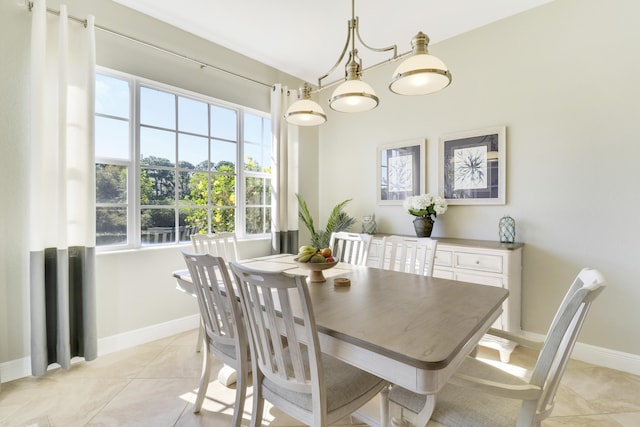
{"x":155,"y":385}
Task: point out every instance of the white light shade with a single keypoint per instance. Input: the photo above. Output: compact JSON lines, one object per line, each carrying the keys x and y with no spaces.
{"x":305,"y":112}
{"x":420,"y":75}
{"x":353,"y":96}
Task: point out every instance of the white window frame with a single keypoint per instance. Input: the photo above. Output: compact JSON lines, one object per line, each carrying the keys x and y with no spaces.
{"x":133,"y":165}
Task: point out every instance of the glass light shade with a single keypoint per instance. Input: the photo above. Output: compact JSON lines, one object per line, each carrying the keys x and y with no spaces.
{"x":305,"y":112}
{"x":420,"y":74}
{"x":353,"y":96}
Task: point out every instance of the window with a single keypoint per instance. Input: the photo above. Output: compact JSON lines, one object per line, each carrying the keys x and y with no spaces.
{"x":186,"y":177}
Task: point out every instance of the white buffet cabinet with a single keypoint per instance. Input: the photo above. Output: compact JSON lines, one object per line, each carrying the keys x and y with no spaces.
{"x":483,"y":262}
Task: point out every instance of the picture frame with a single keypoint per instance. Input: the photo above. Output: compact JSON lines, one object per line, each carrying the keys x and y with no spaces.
{"x":473,"y":167}
{"x":401,"y":171}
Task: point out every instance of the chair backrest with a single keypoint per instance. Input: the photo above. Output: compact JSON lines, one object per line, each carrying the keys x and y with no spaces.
{"x":220,"y":312}
{"x":267,"y":302}
{"x":352,"y":248}
{"x":559,"y":343}
{"x":408,"y":254}
{"x":223,"y":244}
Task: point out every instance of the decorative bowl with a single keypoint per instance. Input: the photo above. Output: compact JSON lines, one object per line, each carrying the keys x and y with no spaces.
{"x":316,"y":268}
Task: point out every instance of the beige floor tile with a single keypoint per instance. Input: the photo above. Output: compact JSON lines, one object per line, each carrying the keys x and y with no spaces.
{"x":605,"y":390}
{"x":156,"y":384}
{"x":146,"y":402}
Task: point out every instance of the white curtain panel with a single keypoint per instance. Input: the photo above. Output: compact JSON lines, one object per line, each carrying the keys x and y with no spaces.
{"x":62,"y":190}
{"x":284,"y":149}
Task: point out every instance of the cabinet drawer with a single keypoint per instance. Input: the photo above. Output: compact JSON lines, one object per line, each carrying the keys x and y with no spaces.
{"x":480,"y":280}
{"x":443,"y":258}
{"x":443,"y":274}
{"x":482,"y":262}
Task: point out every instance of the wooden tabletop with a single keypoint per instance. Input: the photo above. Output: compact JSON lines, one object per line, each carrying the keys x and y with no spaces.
{"x":420,"y":321}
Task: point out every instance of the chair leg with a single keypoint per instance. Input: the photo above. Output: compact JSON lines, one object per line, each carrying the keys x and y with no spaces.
{"x":204,"y":379}
{"x":241,"y":394}
{"x":200,"y":338}
{"x":258,"y":401}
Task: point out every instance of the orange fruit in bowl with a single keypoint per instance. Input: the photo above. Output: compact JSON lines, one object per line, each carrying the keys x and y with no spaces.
{"x":325,"y":252}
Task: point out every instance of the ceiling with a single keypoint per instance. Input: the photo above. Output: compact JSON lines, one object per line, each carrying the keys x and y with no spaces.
{"x":304,"y":38}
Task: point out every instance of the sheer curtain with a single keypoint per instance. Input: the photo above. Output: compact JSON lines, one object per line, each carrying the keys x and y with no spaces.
{"x":62,"y":190}
{"x":284,"y":149}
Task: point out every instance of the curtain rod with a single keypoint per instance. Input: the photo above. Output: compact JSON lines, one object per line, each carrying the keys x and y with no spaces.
{"x":202,"y":65}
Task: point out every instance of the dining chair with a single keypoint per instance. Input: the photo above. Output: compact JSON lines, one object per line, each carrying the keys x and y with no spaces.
{"x":352,"y":248}
{"x":408,"y":254}
{"x":482,"y":395}
{"x":222,"y":244}
{"x":298,"y":378}
{"x":225,"y":335}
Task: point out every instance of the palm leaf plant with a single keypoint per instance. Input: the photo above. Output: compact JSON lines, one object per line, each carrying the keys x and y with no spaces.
{"x":338,"y":220}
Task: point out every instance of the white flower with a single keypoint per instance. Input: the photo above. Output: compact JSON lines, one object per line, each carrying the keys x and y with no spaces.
{"x":425,"y":205}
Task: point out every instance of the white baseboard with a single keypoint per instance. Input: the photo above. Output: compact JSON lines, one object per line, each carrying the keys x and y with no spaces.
{"x":601,"y":356}
{"x":20,"y":368}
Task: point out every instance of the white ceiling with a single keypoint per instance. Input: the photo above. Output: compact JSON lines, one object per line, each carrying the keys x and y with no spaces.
{"x":304,"y":38}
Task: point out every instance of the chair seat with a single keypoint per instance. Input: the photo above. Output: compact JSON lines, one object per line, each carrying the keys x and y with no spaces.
{"x":343,"y":382}
{"x":463,"y":406}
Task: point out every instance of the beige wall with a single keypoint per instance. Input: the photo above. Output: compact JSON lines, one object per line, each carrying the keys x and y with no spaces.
{"x":563,"y":79}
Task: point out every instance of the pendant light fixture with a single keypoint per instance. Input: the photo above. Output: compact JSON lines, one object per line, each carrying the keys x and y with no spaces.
{"x":419,"y":74}
{"x":305,"y":112}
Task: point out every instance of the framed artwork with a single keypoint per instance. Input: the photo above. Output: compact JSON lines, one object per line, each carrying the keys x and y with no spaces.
{"x":401,"y":171}
{"x":473,"y":166}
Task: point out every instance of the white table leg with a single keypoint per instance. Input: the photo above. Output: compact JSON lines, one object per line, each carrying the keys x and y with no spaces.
{"x":384,"y":407}
{"x":227,"y":375}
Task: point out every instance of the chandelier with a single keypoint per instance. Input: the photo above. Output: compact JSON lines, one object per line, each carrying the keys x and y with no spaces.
{"x":419,"y":74}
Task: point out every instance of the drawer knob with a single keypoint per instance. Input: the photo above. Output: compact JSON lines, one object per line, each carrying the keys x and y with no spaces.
{"x":477,"y":261}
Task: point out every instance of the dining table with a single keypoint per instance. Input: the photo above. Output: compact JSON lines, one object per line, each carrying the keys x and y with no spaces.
{"x":411,"y":330}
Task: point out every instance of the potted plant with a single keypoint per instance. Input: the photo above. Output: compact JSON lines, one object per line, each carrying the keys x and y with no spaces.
{"x":425,"y":207}
{"x":338,"y":220}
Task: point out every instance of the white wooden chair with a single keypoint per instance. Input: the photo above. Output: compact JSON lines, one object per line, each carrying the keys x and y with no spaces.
{"x":480,"y":395}
{"x":225,"y":335}
{"x":310,"y":386}
{"x":222,"y":244}
{"x":352,"y":248}
{"x":408,"y":254}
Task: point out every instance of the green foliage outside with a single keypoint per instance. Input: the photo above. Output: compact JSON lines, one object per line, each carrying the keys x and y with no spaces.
{"x":158,"y":188}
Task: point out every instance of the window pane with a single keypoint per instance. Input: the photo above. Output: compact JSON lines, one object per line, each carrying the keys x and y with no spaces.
{"x":111,"y":226}
{"x":192,"y":221}
{"x":157,"y":226}
{"x":196,"y":189}
{"x":192,"y":116}
{"x":112,"y":138}
{"x":252,"y":128}
{"x":111,"y":183}
{"x":255,"y":220}
{"x":157,"y":187}
{"x":224,"y":123}
{"x":157,"y":108}
{"x":266,"y":157}
{"x":254,"y":191}
{"x":252,"y":157}
{"x":223,"y":219}
{"x":267,"y":198}
{"x":223,"y":153}
{"x":193,"y":150}
{"x":112,"y":96}
{"x":157,"y":147}
{"x":223,"y":189}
